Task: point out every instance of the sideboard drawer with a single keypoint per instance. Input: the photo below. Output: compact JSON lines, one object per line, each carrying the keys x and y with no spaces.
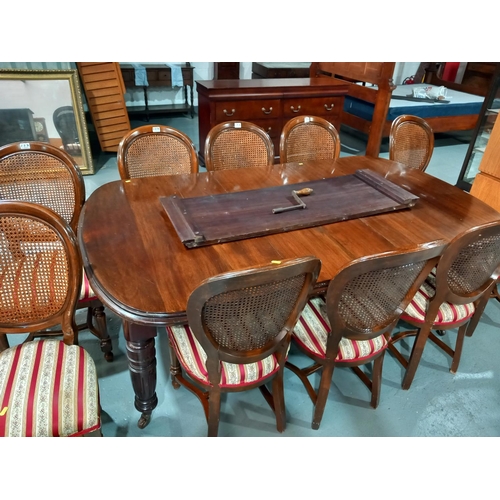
{"x":317,"y":106}
{"x":272,"y":127}
{"x":247,"y":110}
{"x":164,"y":75}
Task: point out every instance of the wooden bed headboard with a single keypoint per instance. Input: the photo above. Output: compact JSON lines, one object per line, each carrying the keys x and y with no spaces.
{"x":358,"y":74}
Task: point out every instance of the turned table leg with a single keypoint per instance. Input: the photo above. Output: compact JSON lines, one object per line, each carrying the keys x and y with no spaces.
{"x":141,"y":356}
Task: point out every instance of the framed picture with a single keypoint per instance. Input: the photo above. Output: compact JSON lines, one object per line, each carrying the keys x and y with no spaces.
{"x":45,"y":106}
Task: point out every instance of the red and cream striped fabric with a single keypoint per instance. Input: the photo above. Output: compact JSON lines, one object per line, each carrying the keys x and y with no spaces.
{"x":48,"y":388}
{"x":193,"y":359}
{"x":86,"y":292}
{"x":313,"y":327}
{"x":447,"y":314}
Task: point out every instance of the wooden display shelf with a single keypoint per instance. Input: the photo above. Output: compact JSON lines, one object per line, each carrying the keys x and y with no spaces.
{"x":160,"y":75}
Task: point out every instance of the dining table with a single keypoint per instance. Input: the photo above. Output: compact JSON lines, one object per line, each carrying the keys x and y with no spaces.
{"x":141,"y":267}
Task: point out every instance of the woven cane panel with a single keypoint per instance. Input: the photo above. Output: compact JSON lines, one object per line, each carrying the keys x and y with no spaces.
{"x":38,"y":178}
{"x":33,"y":271}
{"x":310,"y":142}
{"x":474,"y":265}
{"x":237,"y":148}
{"x":157,"y":154}
{"x":373,"y":298}
{"x":249,"y":318}
{"x":411,"y":145}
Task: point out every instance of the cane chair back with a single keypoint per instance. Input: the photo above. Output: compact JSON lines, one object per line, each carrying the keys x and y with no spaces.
{"x":454,"y":295}
{"x":309,"y":138}
{"x":43,"y":174}
{"x":153,"y":150}
{"x":352,"y":326}
{"x":236,"y":144}
{"x":238,"y":333}
{"x":40,"y":173}
{"x":411,"y":141}
{"x":47,"y":388}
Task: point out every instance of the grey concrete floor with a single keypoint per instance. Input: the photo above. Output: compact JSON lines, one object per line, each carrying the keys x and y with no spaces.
{"x":438,"y":404}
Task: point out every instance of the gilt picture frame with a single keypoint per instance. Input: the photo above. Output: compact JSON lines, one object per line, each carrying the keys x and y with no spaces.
{"x":45,"y":106}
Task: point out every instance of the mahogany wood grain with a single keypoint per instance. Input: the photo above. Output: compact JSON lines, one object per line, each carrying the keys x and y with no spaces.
{"x":141,"y":270}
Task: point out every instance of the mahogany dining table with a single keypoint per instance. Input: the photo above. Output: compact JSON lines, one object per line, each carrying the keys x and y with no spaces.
{"x":141,"y":270}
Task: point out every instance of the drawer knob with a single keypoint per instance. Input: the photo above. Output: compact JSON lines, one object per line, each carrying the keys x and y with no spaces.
{"x":329,"y":108}
{"x":267,"y":112}
{"x":295,"y":110}
{"x":226,"y":112}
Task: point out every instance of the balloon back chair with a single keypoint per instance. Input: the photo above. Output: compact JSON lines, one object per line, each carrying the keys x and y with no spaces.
{"x":239,"y":332}
{"x":454,"y":295}
{"x":47,"y":387}
{"x":411,"y":141}
{"x":353,"y":325}
{"x":65,"y":123}
{"x":153,"y":150}
{"x":40,"y":173}
{"x":236,"y":144}
{"x":309,"y":138}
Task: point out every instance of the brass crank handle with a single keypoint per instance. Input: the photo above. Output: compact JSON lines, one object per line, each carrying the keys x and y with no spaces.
{"x":300,"y":203}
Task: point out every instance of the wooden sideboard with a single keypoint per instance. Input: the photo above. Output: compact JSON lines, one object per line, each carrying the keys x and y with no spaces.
{"x":269,"y":103}
{"x":160,"y":75}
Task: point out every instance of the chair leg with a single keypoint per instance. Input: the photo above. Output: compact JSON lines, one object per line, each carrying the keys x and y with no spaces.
{"x":279,"y":401}
{"x":175,"y":366}
{"x":416,"y":354}
{"x":458,"y":348}
{"x":474,"y":321}
{"x":324,"y":389}
{"x":213,"y":412}
{"x":100,"y":330}
{"x":377,"y":380}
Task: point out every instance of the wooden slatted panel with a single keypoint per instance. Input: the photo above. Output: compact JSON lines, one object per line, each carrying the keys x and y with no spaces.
{"x":104,"y":89}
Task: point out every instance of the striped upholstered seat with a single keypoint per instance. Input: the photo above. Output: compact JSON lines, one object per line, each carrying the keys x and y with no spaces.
{"x":453,"y":296}
{"x":86,"y":292}
{"x":48,"y":388}
{"x":312,"y":329}
{"x":448,"y":313}
{"x":193,"y":359}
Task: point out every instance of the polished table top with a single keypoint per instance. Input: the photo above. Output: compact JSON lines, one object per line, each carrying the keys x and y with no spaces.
{"x":141,"y":270}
